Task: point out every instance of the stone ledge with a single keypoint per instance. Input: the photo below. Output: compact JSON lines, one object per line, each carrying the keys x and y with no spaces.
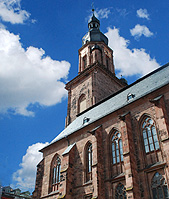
{"x":129,"y":188}
{"x":85,"y":184}
{"x":157,"y":165}
{"x":165,"y":139}
{"x":117,"y":178}
{"x":50,"y":194}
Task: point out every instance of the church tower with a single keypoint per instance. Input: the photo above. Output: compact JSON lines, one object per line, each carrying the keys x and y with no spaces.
{"x":96,"y":78}
{"x":116,"y":140}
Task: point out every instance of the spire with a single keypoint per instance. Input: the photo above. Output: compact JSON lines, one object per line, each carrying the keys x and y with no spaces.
{"x":93,"y":23}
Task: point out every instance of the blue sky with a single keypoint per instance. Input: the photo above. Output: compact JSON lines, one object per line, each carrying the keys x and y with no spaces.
{"x":39,"y":42}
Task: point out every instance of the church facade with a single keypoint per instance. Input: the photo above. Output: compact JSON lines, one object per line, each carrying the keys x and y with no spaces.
{"x":116,"y":141}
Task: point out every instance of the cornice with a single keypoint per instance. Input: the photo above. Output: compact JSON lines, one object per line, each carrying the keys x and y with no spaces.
{"x":91,"y":69}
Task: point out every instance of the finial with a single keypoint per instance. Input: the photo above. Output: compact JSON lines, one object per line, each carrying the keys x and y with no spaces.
{"x":93,"y":7}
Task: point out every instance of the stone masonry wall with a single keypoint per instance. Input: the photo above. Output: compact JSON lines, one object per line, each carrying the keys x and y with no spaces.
{"x":138,"y":167}
{"x":104,"y":85}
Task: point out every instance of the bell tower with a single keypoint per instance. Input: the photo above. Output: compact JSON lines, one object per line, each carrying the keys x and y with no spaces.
{"x":96,"y":78}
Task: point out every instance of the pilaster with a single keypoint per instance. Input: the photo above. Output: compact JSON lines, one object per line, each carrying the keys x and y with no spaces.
{"x":67,"y":173}
{"x":131,"y":174}
{"x":162,"y":121}
{"x":98,"y":162}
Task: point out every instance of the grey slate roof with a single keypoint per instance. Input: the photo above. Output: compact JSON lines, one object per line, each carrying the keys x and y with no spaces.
{"x":140,"y":88}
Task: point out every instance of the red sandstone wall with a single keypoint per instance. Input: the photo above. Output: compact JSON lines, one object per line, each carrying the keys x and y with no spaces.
{"x":104,"y":85}
{"x":105,"y":176}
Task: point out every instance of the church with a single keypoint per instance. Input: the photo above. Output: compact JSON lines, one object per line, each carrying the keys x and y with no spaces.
{"x":115,"y":144}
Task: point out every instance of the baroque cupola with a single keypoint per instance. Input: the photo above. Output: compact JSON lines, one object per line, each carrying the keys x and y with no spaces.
{"x":96,"y":78}
{"x":94,"y":33}
{"x":95,"y":47}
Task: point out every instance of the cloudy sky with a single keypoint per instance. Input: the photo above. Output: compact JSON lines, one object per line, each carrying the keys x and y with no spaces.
{"x":39,"y":42}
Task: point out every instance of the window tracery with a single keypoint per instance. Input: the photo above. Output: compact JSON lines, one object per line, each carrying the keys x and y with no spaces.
{"x":150,"y":138}
{"x":120,"y":192}
{"x":89,"y":162}
{"x":56,"y":166}
{"x":159,"y":187}
{"x":117,"y":148}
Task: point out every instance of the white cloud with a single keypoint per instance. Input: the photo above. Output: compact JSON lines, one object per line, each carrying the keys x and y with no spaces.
{"x":28,"y":77}
{"x":24,"y":178}
{"x":140,"y":30}
{"x":10,"y":11}
{"x":142,"y":13}
{"x":2,"y":26}
{"x":129,"y":62}
{"x":122,"y":12}
{"x":102,"y":13}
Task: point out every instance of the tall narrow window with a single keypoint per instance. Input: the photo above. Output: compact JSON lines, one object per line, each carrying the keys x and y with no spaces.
{"x":82,"y":103}
{"x":89,"y":162}
{"x":107,"y":62}
{"x":120,"y":192}
{"x":149,"y":135}
{"x":84,"y":62}
{"x":56,"y":174}
{"x":117,"y":148}
{"x":159,"y":187}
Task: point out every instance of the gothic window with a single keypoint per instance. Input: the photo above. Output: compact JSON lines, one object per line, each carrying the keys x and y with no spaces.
{"x":120,"y":192}
{"x":150,"y":138}
{"x":82,"y":103}
{"x":107,"y":62}
{"x":89,"y":162}
{"x":56,"y":173}
{"x":117,"y":148}
{"x":84,"y":62}
{"x":159,"y":187}
{"x":91,"y":57}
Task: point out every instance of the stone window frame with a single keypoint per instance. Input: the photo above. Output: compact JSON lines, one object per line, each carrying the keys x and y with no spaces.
{"x":107,"y":62}
{"x":55,"y":171}
{"x":88,"y":162}
{"x":159,"y":186}
{"x":81,"y":98}
{"x":120,"y":191}
{"x":116,"y":141}
{"x":149,"y":134}
{"x":84,"y":62}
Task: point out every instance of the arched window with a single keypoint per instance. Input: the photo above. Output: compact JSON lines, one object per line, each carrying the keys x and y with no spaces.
{"x":82,"y":103}
{"x":84,"y":62}
{"x":107,"y":62}
{"x":56,"y":173}
{"x":117,"y":148}
{"x":159,"y":187}
{"x":89,"y":162}
{"x":120,"y":192}
{"x":149,"y":135}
